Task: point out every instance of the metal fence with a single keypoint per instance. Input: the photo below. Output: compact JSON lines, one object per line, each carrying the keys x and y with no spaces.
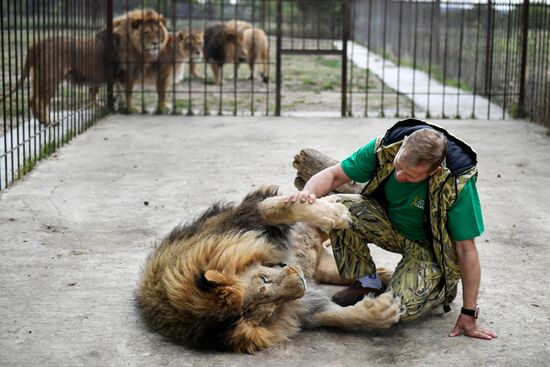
{"x":49,"y":35}
{"x":482,"y":59}
{"x":490,"y":58}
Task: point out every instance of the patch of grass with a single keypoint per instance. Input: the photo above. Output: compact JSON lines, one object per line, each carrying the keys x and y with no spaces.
{"x":329,"y":63}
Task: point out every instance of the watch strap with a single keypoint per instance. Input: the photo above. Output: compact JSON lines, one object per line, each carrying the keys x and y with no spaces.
{"x":470,"y":312}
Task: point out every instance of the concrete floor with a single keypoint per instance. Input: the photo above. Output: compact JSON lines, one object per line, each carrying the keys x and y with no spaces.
{"x":74,"y":234}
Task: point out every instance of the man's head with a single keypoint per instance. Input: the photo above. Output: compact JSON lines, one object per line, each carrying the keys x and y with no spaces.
{"x":420,"y":155}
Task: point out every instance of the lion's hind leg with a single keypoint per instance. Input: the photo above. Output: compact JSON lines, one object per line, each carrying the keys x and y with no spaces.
{"x":325,"y":213}
{"x":380,"y":312}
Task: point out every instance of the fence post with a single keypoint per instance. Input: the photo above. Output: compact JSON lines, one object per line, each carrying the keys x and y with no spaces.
{"x":278,"y":59}
{"x":345,"y":38}
{"x":109,"y":19}
{"x":523,"y":67}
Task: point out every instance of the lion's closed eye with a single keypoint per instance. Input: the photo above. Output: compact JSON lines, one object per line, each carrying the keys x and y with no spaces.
{"x":265,"y":280}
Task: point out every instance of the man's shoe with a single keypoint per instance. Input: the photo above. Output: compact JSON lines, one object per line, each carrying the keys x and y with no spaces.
{"x":353,"y":294}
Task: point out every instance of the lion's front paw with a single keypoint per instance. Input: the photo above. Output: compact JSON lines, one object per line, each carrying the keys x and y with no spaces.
{"x":332,"y":215}
{"x":380,"y":312}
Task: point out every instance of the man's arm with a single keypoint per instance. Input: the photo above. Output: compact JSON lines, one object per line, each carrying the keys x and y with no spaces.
{"x":470,"y":272}
{"x":321,"y":184}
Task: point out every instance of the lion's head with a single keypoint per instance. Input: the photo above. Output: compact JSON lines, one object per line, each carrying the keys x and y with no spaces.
{"x":144,"y":29}
{"x":230,"y":291}
{"x":189,"y":44}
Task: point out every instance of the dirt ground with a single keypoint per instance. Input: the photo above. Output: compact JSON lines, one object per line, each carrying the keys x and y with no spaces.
{"x":77,"y":229}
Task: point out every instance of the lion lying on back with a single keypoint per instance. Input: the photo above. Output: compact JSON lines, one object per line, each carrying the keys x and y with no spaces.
{"x":235,"y":278}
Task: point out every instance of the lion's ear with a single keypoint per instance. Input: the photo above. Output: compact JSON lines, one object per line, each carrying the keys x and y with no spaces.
{"x":224,"y":288}
{"x":210,"y":279}
{"x":162,"y":20}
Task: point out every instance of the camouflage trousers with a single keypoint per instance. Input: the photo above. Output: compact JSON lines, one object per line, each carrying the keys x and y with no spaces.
{"x":417,"y":279}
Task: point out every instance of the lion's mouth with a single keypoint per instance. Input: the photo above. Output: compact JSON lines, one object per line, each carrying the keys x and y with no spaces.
{"x":154,"y":49}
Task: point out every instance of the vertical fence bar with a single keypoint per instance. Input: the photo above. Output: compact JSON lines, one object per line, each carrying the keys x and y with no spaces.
{"x":544,"y":116}
{"x":18,"y":118}
{"x":10,"y":98}
{"x":384,"y":35}
{"x":4,"y":154}
{"x":279,"y":19}
{"x":399,"y":58}
{"x":110,"y":56}
{"x":432,"y":21}
{"x":206,"y":10}
{"x":413,"y":105}
{"x":345,"y":38}
{"x":489,"y":56}
{"x":523,"y":67}
{"x":506,"y":63}
{"x":460,"y":53}
{"x":536,"y":64}
{"x":445,"y":51}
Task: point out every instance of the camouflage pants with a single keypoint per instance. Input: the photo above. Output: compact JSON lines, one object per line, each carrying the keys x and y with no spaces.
{"x":417,"y":277}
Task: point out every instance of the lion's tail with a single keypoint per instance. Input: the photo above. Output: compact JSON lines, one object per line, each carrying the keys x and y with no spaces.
{"x":29,"y":63}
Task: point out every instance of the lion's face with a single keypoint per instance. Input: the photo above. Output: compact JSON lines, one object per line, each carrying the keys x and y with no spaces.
{"x":268,"y":287}
{"x":148,"y":37}
{"x":189,"y":45}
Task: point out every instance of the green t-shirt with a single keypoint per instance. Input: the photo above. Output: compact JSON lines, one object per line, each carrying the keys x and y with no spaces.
{"x":406,"y":200}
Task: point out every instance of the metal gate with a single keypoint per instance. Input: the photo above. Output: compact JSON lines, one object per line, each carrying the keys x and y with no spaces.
{"x":305,"y":33}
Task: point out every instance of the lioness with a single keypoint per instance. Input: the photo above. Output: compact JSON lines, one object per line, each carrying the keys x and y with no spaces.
{"x":235,"y":278}
{"x":143,"y":36}
{"x":181,"y":47}
{"x":82,"y":60}
{"x":222,"y":44}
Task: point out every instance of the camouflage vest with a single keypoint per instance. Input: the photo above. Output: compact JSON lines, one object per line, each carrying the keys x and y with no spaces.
{"x":443,"y":189}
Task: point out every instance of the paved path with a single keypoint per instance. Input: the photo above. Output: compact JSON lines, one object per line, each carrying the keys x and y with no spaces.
{"x":427,"y":93}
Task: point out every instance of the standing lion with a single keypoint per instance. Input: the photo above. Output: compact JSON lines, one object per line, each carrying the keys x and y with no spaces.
{"x":241,"y":277}
{"x":143,"y":36}
{"x":82,"y":60}
{"x":181,"y":47}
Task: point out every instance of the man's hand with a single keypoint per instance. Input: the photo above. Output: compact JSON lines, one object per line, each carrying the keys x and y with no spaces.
{"x":302,"y":196}
{"x":467,"y":325}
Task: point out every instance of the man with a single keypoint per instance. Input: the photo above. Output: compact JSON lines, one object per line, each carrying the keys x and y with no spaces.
{"x":421,"y":201}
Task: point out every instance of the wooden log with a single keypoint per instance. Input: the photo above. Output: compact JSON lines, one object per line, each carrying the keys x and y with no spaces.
{"x":310,"y":161}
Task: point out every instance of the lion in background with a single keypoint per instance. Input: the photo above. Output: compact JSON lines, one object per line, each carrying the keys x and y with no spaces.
{"x":256,"y":45}
{"x":82,"y":60}
{"x":181,"y":47}
{"x":240,"y":277}
{"x":143,"y":36}
{"x":223,"y":44}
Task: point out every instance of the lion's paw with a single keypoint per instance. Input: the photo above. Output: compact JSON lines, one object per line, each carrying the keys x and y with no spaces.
{"x":380,"y":312}
{"x":332,"y":215}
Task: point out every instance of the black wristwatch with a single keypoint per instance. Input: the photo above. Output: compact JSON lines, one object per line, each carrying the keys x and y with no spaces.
{"x":469,"y":312}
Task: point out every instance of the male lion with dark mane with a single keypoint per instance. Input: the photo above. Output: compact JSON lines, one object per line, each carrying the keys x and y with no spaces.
{"x":235,"y":278}
{"x":223,"y":43}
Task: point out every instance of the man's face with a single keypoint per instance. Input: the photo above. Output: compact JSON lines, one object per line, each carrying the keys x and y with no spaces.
{"x":406,"y":173}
